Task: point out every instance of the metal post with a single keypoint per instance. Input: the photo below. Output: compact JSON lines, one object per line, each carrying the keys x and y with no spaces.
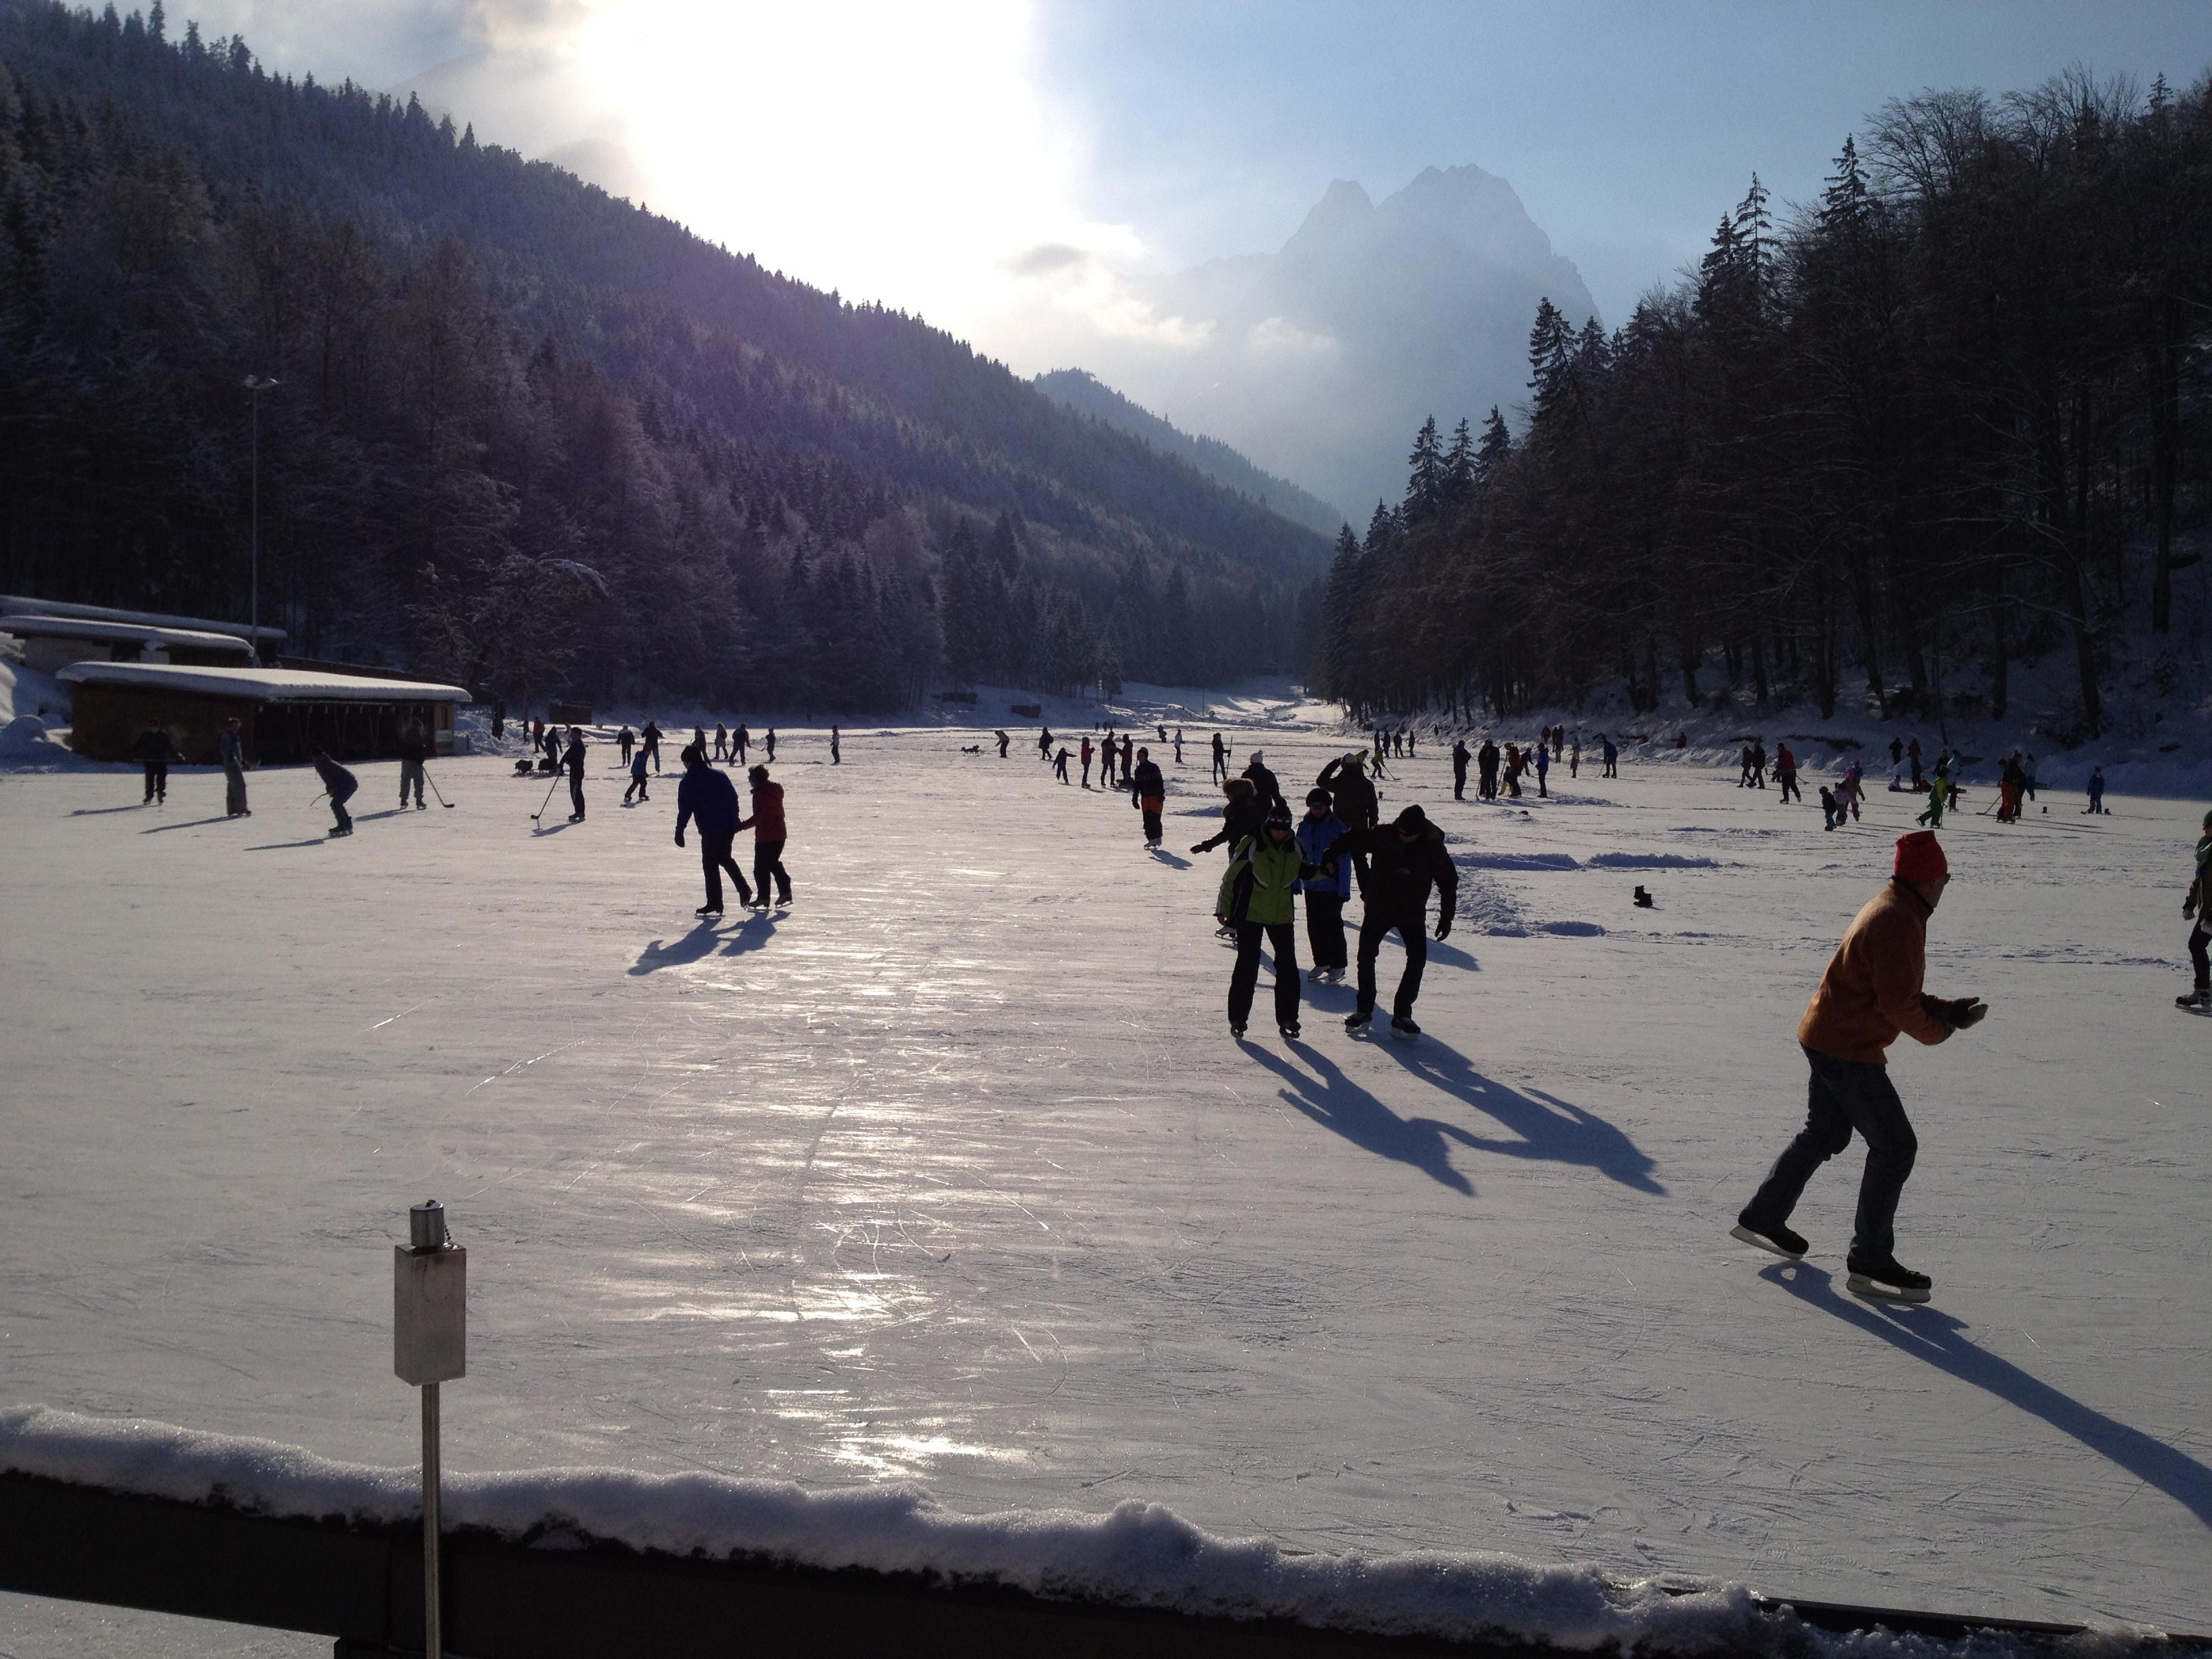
{"x":432,"y":1637}
{"x":429,"y":1346}
{"x":255,"y":385}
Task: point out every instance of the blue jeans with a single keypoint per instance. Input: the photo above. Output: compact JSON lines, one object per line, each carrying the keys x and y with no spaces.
{"x":1844,"y":1095}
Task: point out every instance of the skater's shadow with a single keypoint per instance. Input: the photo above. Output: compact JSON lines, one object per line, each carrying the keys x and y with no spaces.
{"x":189,"y":823}
{"x":1543,"y":1125}
{"x":388,"y":812}
{"x":1940,"y":1339}
{"x":695,"y":944}
{"x":1336,"y":1102}
{"x":750,"y":933}
{"x":102,"y":811}
{"x":552,"y":829}
{"x":279,"y":846}
{"x":1170,"y":859}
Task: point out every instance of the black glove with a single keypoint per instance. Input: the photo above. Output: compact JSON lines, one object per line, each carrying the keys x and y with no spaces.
{"x":679,"y":838}
{"x":1967,"y":1011}
{"x":1443,"y":926}
{"x":1198,"y":846}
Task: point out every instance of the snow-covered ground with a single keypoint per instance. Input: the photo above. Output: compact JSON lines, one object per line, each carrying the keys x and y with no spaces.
{"x":951,"y":1174}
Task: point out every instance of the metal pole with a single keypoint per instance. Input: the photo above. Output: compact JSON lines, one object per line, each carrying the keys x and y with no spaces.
{"x":254,"y":613}
{"x":432,"y":1638}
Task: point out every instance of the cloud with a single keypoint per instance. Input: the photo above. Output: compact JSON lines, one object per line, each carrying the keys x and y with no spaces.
{"x":520,"y":25}
{"x":1089,"y":283}
{"x":1277,"y":337}
{"x":1046,"y":259}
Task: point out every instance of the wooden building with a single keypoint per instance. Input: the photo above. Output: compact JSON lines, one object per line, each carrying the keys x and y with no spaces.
{"x":283,"y":713}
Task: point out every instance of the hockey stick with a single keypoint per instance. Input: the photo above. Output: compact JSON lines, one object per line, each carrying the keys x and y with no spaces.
{"x":439,"y":793}
{"x":548,"y":801}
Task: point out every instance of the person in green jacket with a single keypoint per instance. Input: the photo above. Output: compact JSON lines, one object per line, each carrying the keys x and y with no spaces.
{"x":1258,"y":896}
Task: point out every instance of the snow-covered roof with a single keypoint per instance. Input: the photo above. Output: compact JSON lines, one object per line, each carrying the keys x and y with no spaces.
{"x":84,"y":628}
{"x":260,"y":684}
{"x":17,"y":604}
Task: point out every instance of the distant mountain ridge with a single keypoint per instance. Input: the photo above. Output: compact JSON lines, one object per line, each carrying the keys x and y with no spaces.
{"x":1324,"y":357}
{"x":1085,"y":392}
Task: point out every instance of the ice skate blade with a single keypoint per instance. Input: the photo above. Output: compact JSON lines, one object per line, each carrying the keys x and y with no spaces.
{"x":1762,"y":1241}
{"x":1873,"y":1291}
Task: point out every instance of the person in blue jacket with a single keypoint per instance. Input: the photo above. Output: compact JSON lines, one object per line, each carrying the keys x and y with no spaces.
{"x":340,"y":785}
{"x":709,"y":798}
{"x":1325,"y":894}
{"x":637,"y":779}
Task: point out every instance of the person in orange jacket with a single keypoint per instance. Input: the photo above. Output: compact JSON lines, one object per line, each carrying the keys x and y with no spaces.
{"x":1870,"y":994}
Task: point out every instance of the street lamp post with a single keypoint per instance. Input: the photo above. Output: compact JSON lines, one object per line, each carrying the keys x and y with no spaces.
{"x":255,"y":385}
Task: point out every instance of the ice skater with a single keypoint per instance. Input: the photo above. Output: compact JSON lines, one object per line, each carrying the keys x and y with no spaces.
{"x":625,"y":741}
{"x":2096,"y":791}
{"x":1785,"y":774}
{"x":1264,"y":785}
{"x":2200,"y":936}
{"x":1178,"y":745}
{"x":1461,"y":754}
{"x":232,"y":748}
{"x":637,"y":780}
{"x":1543,"y":771}
{"x":414,"y":748}
{"x":1401,"y":862}
{"x":339,"y":785}
{"x":155,"y":751}
{"x":1220,"y":759}
{"x":650,"y":738}
{"x":708,"y":799}
{"x":721,"y":746}
{"x":1870,"y":994}
{"x":1258,"y":899}
{"x":1149,"y":793}
{"x":836,"y":747}
{"x":1611,"y":758}
{"x":1486,"y":770}
{"x":1084,"y":752}
{"x":769,"y":835}
{"x":1348,"y":788}
{"x":1004,"y":740}
{"x":1060,"y":763}
{"x":1318,"y":831}
{"x":575,"y":761}
{"x":741,"y":743}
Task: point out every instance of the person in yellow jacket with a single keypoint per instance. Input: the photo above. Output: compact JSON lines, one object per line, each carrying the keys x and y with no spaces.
{"x":1870,"y":996}
{"x":1258,"y":899}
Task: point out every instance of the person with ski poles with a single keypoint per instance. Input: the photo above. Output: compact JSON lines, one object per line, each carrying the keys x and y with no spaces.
{"x":1148,"y":792}
{"x":1399,"y":863}
{"x":339,"y":785}
{"x":414,"y":748}
{"x":232,"y":748}
{"x":2198,"y":903}
{"x":1220,"y":759}
{"x":575,"y":761}
{"x":1461,"y":754}
{"x":708,"y":799}
{"x":1258,"y":901}
{"x":1325,"y":893}
{"x":769,"y":835}
{"x":1869,"y":996}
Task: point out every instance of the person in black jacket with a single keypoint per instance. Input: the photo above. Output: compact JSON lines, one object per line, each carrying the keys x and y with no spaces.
{"x":414,"y":748}
{"x":1404,"y":860}
{"x":155,"y":751}
{"x":339,"y":785}
{"x":1485,"y":766}
{"x":575,"y":764}
{"x":1264,"y":785}
{"x":1461,"y":754}
{"x":1149,"y":794}
{"x":1354,"y":795}
{"x":710,"y":800}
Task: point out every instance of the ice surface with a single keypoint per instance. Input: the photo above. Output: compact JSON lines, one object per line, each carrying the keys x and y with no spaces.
{"x":950,"y":1176}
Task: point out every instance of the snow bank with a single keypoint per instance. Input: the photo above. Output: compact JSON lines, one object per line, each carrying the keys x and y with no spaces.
{"x":1139,"y":1554}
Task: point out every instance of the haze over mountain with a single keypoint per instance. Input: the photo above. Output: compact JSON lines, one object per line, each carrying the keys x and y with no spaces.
{"x":1088,"y":395}
{"x":1321,"y":361}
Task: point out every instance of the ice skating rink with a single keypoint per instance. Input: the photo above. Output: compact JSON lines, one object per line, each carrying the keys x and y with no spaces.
{"x":951,"y":1174}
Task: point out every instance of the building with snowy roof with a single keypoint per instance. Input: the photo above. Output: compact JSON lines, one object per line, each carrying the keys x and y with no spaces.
{"x":51,"y":643}
{"x":283,"y":713}
{"x":18,"y":604}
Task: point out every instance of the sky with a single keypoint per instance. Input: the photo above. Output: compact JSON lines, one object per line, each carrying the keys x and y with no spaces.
{"x":955,"y":158}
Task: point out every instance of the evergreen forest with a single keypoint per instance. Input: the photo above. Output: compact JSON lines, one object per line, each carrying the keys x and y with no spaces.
{"x":538,"y":439}
{"x":1947,"y":419}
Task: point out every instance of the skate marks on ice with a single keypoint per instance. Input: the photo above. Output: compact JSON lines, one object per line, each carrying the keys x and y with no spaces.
{"x":1929,"y":1334}
{"x":1542,"y":1127}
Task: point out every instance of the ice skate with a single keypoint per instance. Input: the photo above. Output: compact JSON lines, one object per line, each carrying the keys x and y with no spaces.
{"x":1289,"y":1033}
{"x":2199,"y":1001}
{"x":1773,"y":1237}
{"x":1403,"y":1029}
{"x":708,"y":910}
{"x":1886,"y":1280}
{"x":1236,"y":1031}
{"x":1356,"y":1022}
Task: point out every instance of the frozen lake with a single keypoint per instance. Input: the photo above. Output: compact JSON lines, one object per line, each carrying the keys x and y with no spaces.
{"x":952,"y":1175}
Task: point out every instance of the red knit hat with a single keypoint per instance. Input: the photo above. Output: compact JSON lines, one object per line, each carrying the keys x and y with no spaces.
{"x":1920,"y":857}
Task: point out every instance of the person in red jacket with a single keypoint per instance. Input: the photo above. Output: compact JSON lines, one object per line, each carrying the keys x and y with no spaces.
{"x":1869,"y":995}
{"x":769,"y":836}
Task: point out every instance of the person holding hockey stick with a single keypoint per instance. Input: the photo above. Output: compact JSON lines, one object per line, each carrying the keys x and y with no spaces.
{"x":1258,"y":899}
{"x":1398,"y":864}
{"x":709,"y":798}
{"x":1870,"y":994}
{"x":339,"y":785}
{"x":2200,"y":936}
{"x":574,"y":762}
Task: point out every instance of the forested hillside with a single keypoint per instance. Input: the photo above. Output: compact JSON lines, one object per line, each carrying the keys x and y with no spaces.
{"x":1952,"y":419}
{"x":1085,"y":393}
{"x":536,"y":438}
